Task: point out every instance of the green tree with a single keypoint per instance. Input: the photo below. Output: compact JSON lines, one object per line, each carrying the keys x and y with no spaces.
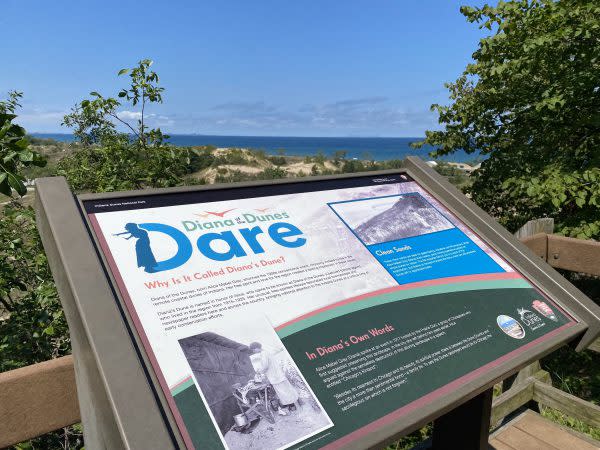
{"x":339,"y":156}
{"x":94,"y":120}
{"x":110,"y":160}
{"x":15,"y":153}
{"x":456,"y":176}
{"x":530,"y":102}
{"x":320,"y":158}
{"x":272,"y":173}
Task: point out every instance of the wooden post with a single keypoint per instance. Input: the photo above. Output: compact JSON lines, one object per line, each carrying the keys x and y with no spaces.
{"x":466,"y":427}
{"x":513,"y":382}
{"x":545,"y":225}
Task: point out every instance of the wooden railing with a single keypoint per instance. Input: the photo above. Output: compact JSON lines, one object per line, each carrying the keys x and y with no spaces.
{"x":538,"y":388}
{"x":575,"y":255}
{"x":533,"y":383}
{"x":37,"y":399}
{"x":40,"y":398}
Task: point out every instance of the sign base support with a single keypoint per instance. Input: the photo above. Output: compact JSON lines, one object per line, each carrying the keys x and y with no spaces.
{"x":466,"y":427}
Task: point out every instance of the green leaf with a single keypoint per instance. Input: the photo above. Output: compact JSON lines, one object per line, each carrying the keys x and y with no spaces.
{"x":4,"y":117}
{"x":123,"y":71}
{"x":17,"y":184}
{"x":5,"y":188}
{"x":26,"y":156}
{"x":22,"y":144}
{"x":5,"y":128}
{"x":39,"y":160}
{"x":17,"y":130}
{"x":9,"y":157}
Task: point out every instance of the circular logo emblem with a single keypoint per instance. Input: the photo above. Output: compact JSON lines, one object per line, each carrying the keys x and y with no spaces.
{"x":511,"y":327}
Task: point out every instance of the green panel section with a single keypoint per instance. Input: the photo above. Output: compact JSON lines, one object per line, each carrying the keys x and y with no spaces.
{"x":182,"y":387}
{"x":358,"y":382}
{"x":398,"y":296}
{"x":196,"y":419}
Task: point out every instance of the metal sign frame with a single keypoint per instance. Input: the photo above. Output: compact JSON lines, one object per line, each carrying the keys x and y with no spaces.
{"x":120,"y":412}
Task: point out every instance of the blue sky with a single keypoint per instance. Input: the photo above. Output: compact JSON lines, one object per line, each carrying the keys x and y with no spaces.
{"x":304,"y":68}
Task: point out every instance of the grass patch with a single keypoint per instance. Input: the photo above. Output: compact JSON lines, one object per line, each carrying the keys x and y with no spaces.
{"x":558,"y":417}
{"x":412,"y":439}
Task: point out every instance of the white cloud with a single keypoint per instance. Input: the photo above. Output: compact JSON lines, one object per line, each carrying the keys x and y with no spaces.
{"x":150,"y":120}
{"x":35,"y":119}
{"x":373,"y":115}
{"x":129,"y":115}
{"x":361,"y":116}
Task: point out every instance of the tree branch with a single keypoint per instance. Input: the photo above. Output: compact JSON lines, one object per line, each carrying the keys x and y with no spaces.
{"x":124,"y":123}
{"x":143,"y":136}
{"x":6,"y":305}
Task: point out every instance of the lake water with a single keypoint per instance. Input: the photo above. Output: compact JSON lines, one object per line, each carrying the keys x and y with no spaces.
{"x":379,"y":149}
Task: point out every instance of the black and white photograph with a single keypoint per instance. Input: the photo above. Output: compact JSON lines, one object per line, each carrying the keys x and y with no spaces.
{"x":257,"y":397}
{"x":390,"y":218}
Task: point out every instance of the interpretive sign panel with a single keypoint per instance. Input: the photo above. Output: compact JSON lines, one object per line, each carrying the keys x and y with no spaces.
{"x":309,"y":314}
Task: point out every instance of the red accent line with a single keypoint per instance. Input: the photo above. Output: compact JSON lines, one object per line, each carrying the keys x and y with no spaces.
{"x":404,"y":287}
{"x":176,"y":385}
{"x":394,"y":415}
{"x":140,"y":329}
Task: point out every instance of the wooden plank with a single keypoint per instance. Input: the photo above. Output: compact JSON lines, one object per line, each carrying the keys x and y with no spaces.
{"x":549,"y":432}
{"x":520,"y":393}
{"x":595,"y":346}
{"x":37,"y":399}
{"x":538,"y":244}
{"x":495,"y":444}
{"x":536,"y":226}
{"x":567,"y":403}
{"x":532,"y":370}
{"x":521,"y":440}
{"x":515,"y":397}
{"x":577,"y":255}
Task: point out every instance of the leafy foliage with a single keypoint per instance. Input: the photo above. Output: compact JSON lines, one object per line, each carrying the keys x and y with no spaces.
{"x":14,"y":148}
{"x":455,"y":175}
{"x":530,"y":101}
{"x":68,"y":438}
{"x":355,"y":165}
{"x":277,"y":160}
{"x":94,"y":120}
{"x":110,"y":160}
{"x":33,"y":326}
{"x":118,"y":164}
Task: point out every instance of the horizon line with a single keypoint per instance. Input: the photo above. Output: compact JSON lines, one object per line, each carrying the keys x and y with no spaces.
{"x":255,"y":135}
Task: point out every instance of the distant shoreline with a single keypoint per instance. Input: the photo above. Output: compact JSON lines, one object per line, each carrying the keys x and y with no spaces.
{"x":363,"y":148}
